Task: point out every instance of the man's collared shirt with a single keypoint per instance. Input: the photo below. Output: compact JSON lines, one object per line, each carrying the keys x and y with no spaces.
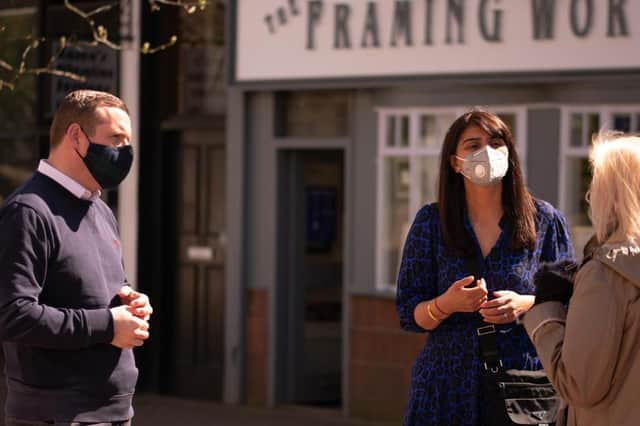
{"x":68,"y":183}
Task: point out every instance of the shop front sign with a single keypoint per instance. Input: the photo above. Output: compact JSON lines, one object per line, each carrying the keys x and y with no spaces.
{"x":327,"y":39}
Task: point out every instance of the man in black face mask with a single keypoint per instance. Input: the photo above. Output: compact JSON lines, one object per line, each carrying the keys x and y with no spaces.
{"x":68,"y":318}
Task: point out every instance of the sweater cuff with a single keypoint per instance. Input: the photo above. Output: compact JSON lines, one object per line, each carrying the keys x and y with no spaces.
{"x":542,"y":314}
{"x":99,"y":325}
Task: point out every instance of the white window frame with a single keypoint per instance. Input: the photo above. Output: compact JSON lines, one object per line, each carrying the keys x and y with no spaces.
{"x":567,"y":152}
{"x":414,"y":152}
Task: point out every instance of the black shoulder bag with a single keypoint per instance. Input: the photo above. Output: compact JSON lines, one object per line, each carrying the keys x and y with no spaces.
{"x":516,"y":397}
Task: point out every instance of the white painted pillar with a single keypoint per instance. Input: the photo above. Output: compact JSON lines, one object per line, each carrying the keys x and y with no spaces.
{"x":130,"y":94}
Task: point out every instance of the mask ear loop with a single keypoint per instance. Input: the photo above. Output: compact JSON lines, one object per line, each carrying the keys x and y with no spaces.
{"x":459,"y":170}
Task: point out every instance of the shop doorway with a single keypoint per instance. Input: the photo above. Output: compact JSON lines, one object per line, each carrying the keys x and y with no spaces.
{"x":194,"y":365}
{"x":310,"y":278}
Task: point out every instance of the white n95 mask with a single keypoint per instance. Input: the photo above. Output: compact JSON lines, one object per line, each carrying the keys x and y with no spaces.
{"x":486,"y":166}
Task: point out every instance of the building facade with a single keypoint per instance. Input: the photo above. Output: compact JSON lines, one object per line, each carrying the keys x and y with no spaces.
{"x":266,"y":219}
{"x":336,"y":114}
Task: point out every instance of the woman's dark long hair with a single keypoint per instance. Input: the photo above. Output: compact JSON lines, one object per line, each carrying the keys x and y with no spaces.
{"x":517,"y":203}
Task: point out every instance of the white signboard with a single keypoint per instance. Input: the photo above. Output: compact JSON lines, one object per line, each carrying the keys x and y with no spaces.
{"x":326,"y":39}
{"x":200,"y":253}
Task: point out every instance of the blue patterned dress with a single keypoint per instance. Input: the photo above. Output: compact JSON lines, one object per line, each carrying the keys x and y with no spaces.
{"x":445,"y":382}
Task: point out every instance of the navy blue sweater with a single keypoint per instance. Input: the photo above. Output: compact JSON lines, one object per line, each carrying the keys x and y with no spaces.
{"x":60,"y":272}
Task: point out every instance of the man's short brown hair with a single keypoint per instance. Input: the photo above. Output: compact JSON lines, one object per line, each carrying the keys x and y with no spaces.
{"x":80,"y":107}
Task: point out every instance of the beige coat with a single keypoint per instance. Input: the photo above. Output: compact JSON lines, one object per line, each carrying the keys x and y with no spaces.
{"x":592,"y":352}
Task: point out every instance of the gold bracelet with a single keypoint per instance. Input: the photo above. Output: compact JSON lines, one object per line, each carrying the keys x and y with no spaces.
{"x":431,"y":313}
{"x":435,"y":304}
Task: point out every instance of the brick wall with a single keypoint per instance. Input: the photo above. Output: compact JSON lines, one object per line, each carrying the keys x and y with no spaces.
{"x":256,"y":359}
{"x":381,"y":359}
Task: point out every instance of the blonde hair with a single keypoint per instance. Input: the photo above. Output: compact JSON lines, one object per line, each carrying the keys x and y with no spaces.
{"x":614,"y":194}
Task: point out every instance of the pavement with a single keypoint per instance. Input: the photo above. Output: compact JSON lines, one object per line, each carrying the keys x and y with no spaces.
{"x":153,"y":409}
{"x":158,"y":410}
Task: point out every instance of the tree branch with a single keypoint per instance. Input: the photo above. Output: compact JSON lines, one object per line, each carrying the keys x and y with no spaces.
{"x":188,"y":6}
{"x":100,"y":36}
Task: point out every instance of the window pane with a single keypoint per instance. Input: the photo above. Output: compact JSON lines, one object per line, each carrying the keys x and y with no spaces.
{"x":429,"y":167}
{"x":19,"y":149}
{"x":17,"y":106}
{"x":404,"y":131}
{"x":433,"y":129}
{"x":510,"y":121}
{"x":428,"y":131}
{"x":578,"y":179}
{"x":576,"y":129}
{"x":622,"y":122}
{"x":395,"y":214}
{"x":443,"y":122}
{"x":594,"y":126}
{"x":391,"y":131}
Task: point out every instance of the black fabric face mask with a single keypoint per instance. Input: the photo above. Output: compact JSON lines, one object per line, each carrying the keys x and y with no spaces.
{"x":107,"y":164}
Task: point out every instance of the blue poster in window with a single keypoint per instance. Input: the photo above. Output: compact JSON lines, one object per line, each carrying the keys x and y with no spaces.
{"x":321,"y":218}
{"x":622,"y":123}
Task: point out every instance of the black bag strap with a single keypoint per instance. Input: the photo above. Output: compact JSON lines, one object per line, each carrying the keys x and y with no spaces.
{"x":486,"y":332}
{"x":489,"y":348}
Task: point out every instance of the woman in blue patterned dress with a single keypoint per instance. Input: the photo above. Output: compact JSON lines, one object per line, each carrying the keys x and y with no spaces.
{"x":485,"y":213}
